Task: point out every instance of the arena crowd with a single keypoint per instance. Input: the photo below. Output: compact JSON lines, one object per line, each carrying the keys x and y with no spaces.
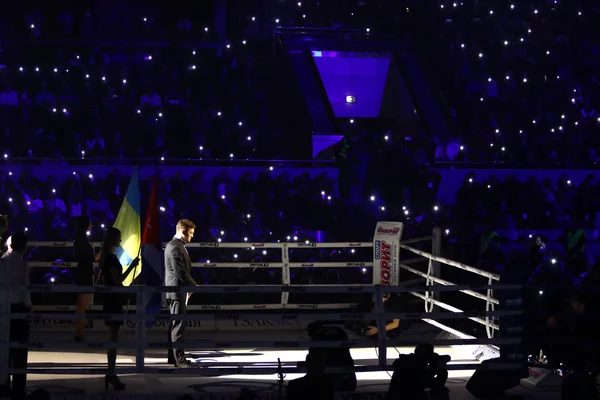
{"x":517,"y":84}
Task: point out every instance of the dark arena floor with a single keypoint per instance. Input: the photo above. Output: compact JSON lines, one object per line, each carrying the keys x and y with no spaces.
{"x":372,"y":385}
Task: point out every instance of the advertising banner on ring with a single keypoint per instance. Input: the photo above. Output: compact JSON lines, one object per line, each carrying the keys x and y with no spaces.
{"x":386,"y":253}
{"x":217,"y":324}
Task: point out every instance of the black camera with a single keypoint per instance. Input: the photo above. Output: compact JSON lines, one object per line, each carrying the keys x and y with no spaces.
{"x":438,"y":362}
{"x":416,"y":372}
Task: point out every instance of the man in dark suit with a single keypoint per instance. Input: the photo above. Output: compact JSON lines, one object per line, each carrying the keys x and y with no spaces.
{"x":178,"y":268}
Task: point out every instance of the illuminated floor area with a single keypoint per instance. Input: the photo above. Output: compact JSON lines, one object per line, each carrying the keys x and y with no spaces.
{"x":165,"y":386}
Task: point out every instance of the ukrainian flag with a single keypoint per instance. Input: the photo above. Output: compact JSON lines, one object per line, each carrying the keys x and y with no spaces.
{"x":129,"y":223}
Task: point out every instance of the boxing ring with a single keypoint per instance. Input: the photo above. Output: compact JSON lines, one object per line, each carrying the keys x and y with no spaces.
{"x":232,"y":353}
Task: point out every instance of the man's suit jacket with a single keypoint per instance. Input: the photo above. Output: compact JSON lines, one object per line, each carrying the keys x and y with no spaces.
{"x":178,"y":267}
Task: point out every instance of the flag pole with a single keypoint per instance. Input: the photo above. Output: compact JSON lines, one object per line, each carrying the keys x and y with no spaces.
{"x":136,"y":267}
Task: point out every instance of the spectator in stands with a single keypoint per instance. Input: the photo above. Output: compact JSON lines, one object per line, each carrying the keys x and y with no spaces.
{"x":337,"y":357}
{"x":95,"y":146}
{"x":9,"y":97}
{"x":84,"y":275}
{"x":44,"y":97}
{"x":537,"y":252}
{"x":576,"y":240}
{"x":17,"y":271}
{"x":151,"y":99}
{"x":547,"y":282}
{"x":590,"y":284}
{"x":113,"y":275}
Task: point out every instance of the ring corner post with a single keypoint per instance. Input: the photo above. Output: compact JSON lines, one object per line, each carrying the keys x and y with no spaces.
{"x":286,"y":279}
{"x":386,"y":272}
{"x":386,"y":253}
{"x":436,"y":250}
{"x":381,"y":332}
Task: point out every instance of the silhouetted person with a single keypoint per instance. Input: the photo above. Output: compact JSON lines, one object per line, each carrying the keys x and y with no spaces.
{"x":113,"y":275}
{"x":4,"y":234}
{"x":315,"y":385}
{"x":84,"y":274}
{"x":392,"y":303}
{"x":416,"y":372}
{"x":178,"y":268}
{"x":537,"y":251}
{"x":337,"y":357}
{"x":16,"y":273}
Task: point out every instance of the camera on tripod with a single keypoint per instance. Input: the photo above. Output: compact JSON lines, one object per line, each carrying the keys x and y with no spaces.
{"x":423,"y":369}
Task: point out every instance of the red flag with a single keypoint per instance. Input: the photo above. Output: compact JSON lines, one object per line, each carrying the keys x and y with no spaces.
{"x":152,"y":254}
{"x":151,"y":233}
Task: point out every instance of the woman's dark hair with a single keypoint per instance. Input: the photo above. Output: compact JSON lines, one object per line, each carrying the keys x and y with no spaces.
{"x":82,"y":224}
{"x":19,"y":241}
{"x":3,"y":222}
{"x":313,"y":328}
{"x":111,"y":239}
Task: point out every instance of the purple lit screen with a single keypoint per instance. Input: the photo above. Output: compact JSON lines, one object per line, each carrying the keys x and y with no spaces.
{"x":361,"y":75}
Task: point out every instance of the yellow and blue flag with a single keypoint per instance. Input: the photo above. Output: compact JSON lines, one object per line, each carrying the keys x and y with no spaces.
{"x":129,"y":223}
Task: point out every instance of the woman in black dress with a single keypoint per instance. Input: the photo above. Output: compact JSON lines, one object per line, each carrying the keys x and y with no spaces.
{"x":113,"y":275}
{"x":84,"y":274}
{"x":4,"y":234}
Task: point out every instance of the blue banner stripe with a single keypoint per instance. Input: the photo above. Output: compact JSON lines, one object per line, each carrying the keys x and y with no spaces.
{"x":123,"y":257}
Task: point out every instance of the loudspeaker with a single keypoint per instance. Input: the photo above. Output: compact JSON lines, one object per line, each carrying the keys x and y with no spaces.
{"x":543,"y":378}
{"x":579,"y":386}
{"x":492,"y":382}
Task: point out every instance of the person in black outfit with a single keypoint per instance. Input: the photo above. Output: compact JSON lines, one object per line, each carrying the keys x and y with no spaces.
{"x":537,"y":252}
{"x":16,"y":271}
{"x":392,"y":303}
{"x":178,"y":267}
{"x":315,"y":385}
{"x":4,"y":234}
{"x":571,"y":330}
{"x":337,"y":357}
{"x":416,"y":372}
{"x":112,"y":274}
{"x":84,"y":274}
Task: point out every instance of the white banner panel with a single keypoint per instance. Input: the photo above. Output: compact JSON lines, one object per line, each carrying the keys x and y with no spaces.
{"x":386,"y":253}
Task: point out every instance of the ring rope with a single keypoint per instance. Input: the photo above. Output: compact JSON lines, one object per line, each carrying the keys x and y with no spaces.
{"x":489,"y":306}
{"x":452,"y":263}
{"x":430,"y":281}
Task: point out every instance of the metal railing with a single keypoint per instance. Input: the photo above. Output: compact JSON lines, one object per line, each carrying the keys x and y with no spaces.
{"x":285,"y":265}
{"x":433,"y":284}
{"x":141,"y":316}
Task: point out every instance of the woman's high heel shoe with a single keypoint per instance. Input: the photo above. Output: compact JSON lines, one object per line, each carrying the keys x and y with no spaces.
{"x":114,"y":381}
